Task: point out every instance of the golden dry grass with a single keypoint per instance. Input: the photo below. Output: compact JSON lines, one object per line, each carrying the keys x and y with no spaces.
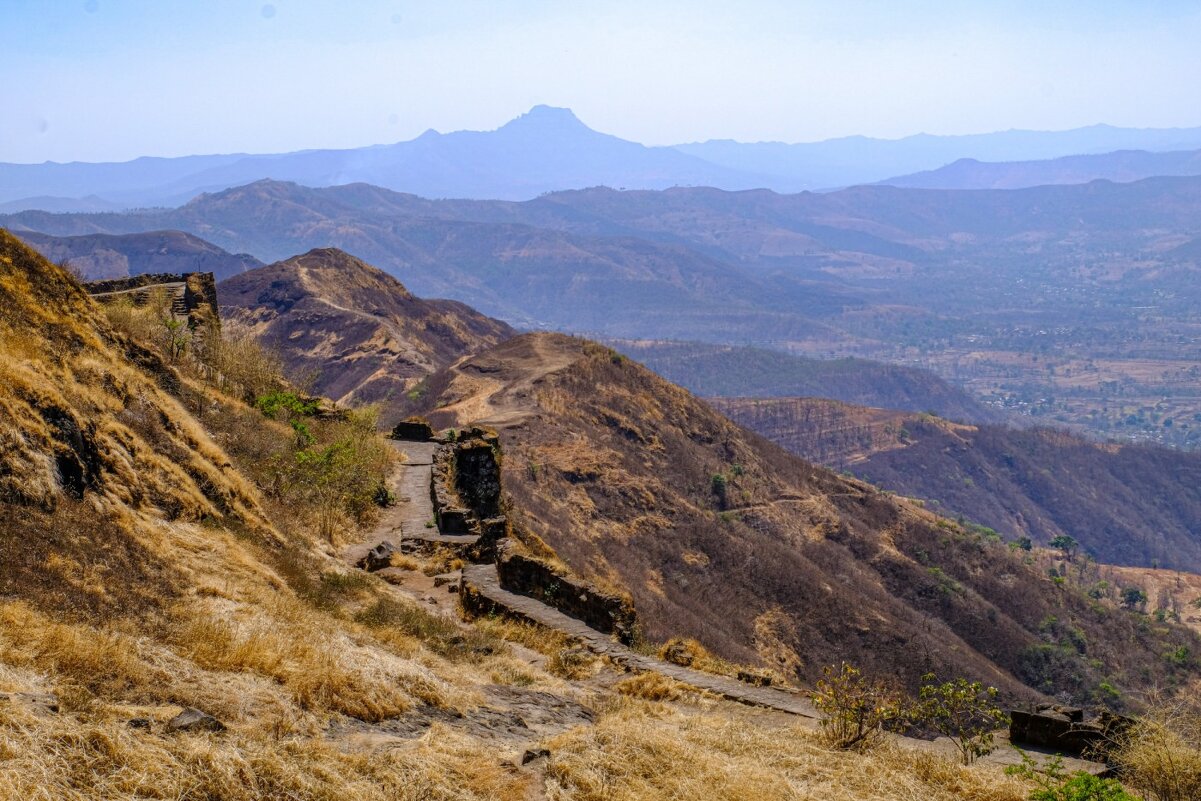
{"x":65,"y":758}
{"x":645,"y":752}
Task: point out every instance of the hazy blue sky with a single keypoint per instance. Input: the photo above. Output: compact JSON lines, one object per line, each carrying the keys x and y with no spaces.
{"x":113,"y":79}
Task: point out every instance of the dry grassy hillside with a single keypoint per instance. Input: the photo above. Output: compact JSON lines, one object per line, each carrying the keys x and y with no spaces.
{"x":158,"y":552}
{"x":143,"y":571}
{"x":361,"y":335}
{"x":1125,"y":504}
{"x":720,"y":535}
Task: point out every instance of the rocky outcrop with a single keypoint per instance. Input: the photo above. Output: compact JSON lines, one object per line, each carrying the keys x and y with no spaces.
{"x":413,"y":430}
{"x":378,"y":557}
{"x":193,"y":720}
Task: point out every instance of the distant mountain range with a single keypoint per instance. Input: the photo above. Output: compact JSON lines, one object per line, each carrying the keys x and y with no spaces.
{"x":549,"y":149}
{"x":1122,"y":166}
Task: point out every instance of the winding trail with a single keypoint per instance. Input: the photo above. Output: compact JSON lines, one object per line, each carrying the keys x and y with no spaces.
{"x":483,"y":579}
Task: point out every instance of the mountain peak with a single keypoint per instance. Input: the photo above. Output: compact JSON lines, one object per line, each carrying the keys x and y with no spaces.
{"x":547,"y":118}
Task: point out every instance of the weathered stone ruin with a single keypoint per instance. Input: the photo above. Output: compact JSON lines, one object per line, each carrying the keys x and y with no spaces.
{"x":1064,"y":730}
{"x":193,"y":296}
{"x":603,"y":611}
{"x":466,"y":491}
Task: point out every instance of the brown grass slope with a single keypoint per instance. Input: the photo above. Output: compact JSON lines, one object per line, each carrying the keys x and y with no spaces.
{"x":359,"y":331}
{"x":1126,"y":504}
{"x":92,"y":446}
{"x":784,"y":563}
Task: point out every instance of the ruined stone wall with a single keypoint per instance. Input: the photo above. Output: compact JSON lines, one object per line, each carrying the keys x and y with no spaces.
{"x":602,"y":611}
{"x":194,"y":294}
{"x":466,"y":491}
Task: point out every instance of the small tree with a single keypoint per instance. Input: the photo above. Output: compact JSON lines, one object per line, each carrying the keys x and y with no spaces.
{"x":964,"y":711}
{"x":856,"y":710}
{"x":720,"y":487}
{"x":1066,"y":544}
{"x":1134,"y":598}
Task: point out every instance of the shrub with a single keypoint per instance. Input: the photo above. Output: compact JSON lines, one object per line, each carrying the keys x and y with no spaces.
{"x":1161,"y":753}
{"x":1055,"y":785}
{"x":1134,"y":598}
{"x":964,"y":711}
{"x":856,"y":710}
{"x":720,"y":488}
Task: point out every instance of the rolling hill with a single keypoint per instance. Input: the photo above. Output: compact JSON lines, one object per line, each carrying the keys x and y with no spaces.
{"x":357,"y":331}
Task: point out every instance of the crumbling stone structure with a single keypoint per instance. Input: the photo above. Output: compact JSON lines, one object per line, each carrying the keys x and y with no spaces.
{"x":1065,"y":731}
{"x":466,"y":491}
{"x":602,"y":611}
{"x":193,"y":295}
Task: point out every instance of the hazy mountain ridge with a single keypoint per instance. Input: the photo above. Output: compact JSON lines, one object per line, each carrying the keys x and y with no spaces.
{"x":547,"y":150}
{"x":1121,"y":166}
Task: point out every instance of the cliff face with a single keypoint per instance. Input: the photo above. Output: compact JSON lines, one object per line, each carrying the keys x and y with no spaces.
{"x":720,"y":535}
{"x":360,"y":334}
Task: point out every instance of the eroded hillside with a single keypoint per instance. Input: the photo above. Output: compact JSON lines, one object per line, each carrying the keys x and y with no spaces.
{"x":361,"y":335}
{"x":1125,"y":504}
{"x":720,"y":535}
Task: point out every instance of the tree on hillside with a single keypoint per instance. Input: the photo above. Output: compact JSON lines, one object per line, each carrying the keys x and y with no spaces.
{"x":1066,"y":544}
{"x":1134,"y":598}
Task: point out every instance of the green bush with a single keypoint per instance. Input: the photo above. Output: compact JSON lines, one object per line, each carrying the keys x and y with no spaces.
{"x":964,"y":711}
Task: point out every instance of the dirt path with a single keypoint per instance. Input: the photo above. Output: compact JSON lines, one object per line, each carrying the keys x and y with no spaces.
{"x":483,"y":579}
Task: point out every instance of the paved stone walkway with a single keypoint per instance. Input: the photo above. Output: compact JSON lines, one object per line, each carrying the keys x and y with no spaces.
{"x":483,"y":579}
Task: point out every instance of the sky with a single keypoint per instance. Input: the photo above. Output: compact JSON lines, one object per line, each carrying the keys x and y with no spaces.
{"x":109,"y":80}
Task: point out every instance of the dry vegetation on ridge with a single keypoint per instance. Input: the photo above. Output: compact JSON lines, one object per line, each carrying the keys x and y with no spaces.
{"x":155,"y":556}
